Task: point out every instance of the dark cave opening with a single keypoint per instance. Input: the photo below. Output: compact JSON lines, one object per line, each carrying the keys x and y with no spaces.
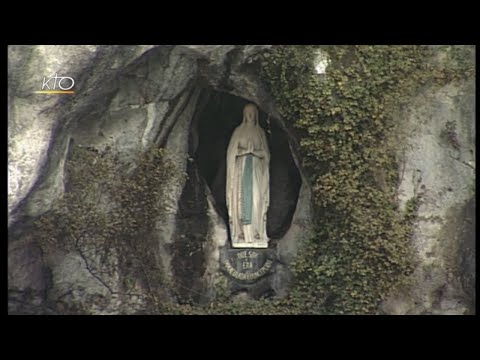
{"x":217,"y":116}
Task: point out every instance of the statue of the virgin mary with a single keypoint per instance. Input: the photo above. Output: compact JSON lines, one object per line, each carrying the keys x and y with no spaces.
{"x":247,"y":190}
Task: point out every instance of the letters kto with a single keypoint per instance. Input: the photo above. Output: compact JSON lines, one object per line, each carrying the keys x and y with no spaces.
{"x":62,"y":86}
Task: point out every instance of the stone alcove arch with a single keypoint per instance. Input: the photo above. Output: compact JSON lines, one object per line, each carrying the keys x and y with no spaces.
{"x":215,"y":117}
{"x":219,"y":113}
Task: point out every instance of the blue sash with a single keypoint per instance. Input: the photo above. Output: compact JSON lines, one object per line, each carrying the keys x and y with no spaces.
{"x":247,"y":190}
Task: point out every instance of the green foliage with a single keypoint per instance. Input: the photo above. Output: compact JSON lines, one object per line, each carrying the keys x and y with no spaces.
{"x":361,"y":249}
{"x":105,"y":209}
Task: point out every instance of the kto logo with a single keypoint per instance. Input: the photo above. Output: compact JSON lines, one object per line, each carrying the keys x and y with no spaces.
{"x":57,"y":85}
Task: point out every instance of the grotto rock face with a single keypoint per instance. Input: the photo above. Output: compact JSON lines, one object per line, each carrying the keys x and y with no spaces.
{"x":36,"y":120}
{"x":126,"y":99}
{"x":431,"y":165}
{"x":130,"y":97}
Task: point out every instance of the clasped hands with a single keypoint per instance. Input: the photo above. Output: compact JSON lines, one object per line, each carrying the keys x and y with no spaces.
{"x":250,"y":150}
